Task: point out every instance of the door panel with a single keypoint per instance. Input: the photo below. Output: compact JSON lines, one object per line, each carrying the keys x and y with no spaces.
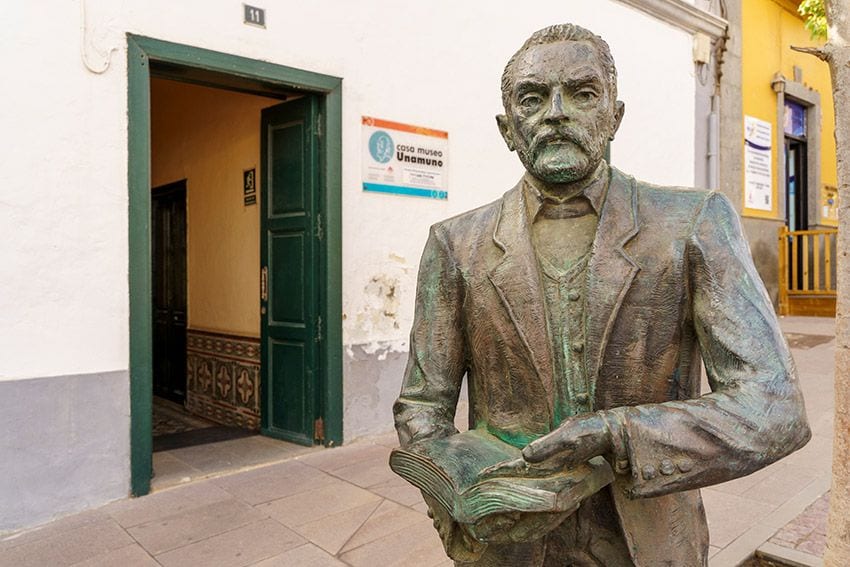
{"x":288,"y":373}
{"x":289,"y":305}
{"x":168,"y":233}
{"x":287,"y":296}
{"x":288,"y":167}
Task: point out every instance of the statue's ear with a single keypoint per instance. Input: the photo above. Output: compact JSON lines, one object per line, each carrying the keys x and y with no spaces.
{"x":505,"y":130}
{"x":619,"y":111}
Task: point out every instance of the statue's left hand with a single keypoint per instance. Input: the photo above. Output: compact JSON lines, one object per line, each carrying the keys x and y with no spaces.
{"x":458,"y":542}
{"x":575,"y":441}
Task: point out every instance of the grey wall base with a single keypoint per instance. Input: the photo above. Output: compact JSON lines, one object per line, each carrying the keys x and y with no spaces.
{"x":64,"y":446}
{"x":371,"y":383}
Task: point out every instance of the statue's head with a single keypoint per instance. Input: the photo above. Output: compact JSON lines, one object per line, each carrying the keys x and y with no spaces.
{"x":561,"y":107}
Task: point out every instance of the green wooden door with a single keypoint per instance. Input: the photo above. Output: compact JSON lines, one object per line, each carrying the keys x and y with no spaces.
{"x":290,"y":228}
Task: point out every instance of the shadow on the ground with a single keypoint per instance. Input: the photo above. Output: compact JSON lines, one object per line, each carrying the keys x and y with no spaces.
{"x":760,"y":562}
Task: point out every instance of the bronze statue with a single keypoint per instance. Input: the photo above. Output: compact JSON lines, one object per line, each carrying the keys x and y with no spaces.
{"x":579,"y":306}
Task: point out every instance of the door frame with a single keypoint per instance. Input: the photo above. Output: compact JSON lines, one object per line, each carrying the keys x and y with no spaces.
{"x":245,"y":74}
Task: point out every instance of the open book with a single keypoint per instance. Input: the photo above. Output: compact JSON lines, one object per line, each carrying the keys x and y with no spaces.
{"x":449,"y":470}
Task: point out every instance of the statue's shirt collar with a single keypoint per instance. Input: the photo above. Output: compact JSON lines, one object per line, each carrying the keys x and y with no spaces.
{"x":588,"y":200}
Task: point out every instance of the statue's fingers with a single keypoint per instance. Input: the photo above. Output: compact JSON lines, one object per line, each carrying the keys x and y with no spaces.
{"x":545,"y":447}
{"x":535,"y":452}
{"x":505,"y":468}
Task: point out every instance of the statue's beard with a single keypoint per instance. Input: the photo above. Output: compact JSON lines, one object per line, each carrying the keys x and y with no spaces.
{"x":562,"y":155}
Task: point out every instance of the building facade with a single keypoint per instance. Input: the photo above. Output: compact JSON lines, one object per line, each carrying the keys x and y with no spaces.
{"x":187,"y":210}
{"x":778,"y":147}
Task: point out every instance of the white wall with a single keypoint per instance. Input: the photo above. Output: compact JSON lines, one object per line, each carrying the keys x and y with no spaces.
{"x":63,"y":187}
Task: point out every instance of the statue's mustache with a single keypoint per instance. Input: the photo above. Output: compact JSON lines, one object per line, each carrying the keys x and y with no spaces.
{"x":580,"y":139}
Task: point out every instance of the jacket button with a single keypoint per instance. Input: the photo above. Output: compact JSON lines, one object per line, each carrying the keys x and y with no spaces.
{"x":648,"y":472}
{"x":582,"y":398}
{"x":685,"y":465}
{"x":578,"y":347}
{"x":667,"y":467}
{"x":574,"y":296}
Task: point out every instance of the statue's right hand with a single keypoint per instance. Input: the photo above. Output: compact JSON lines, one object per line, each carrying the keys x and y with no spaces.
{"x":459,"y":544}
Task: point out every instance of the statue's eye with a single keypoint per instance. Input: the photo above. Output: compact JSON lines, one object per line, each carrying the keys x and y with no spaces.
{"x":530,"y":101}
{"x":586,"y":95}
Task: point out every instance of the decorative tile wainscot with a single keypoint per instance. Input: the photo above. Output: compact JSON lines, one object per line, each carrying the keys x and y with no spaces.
{"x":223,"y":378}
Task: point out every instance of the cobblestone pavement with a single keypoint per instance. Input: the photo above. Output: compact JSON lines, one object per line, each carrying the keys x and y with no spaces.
{"x":806,"y":532}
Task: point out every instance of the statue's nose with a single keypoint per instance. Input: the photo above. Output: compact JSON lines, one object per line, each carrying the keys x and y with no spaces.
{"x":556,"y":109}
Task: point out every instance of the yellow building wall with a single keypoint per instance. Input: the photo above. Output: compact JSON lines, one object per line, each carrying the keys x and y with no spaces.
{"x":770,"y":28}
{"x":209,"y":137}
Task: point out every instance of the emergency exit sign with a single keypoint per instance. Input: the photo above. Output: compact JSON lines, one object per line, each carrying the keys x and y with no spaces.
{"x":254,"y":16}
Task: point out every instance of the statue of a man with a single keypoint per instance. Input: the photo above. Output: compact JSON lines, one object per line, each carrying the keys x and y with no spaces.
{"x":579,"y":306}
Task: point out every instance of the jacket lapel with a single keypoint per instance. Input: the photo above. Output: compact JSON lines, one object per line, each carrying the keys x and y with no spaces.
{"x":517,"y":281}
{"x":611,"y":269}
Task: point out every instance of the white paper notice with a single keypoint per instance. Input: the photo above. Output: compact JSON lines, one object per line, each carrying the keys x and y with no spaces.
{"x":758,"y":180}
{"x":404,"y":159}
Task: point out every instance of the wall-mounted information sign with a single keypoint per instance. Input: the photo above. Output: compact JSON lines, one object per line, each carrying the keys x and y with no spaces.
{"x":249,"y":186}
{"x":758,"y":181}
{"x":404,"y":159}
{"x":829,"y":202}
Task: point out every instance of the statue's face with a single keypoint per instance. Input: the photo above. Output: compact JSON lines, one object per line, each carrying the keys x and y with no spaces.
{"x":560,"y":113}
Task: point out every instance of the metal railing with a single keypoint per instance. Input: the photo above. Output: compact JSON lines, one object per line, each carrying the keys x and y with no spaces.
{"x":807,"y":272}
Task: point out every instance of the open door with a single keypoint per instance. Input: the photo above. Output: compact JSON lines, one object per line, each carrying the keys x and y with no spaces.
{"x":168,"y":251}
{"x":290,"y":227}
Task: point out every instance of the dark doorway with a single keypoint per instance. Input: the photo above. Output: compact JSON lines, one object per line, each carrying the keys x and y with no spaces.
{"x":796,"y":186}
{"x":796,"y":192}
{"x":168,"y":248}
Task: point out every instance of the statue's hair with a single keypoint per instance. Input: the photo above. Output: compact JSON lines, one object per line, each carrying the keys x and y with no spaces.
{"x":555,"y":34}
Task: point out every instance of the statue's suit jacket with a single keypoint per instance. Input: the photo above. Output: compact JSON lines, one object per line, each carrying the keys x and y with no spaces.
{"x":670,"y":281}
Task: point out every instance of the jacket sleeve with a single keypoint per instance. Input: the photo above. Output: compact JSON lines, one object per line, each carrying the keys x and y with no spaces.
{"x":754,"y":414}
{"x":438,"y":354}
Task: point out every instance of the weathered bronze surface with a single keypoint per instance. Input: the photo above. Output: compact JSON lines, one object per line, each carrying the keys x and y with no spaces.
{"x":579,"y":306}
{"x":465,"y":475}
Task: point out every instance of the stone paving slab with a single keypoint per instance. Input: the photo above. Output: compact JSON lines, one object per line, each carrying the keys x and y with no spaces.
{"x":69,"y":547}
{"x":237,"y":548}
{"x":133,"y":512}
{"x":307,"y":555}
{"x":169,"y":533}
{"x":130,"y":556}
{"x":272,"y":482}
{"x":310,"y":505}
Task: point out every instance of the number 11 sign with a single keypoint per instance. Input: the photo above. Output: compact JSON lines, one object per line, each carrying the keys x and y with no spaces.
{"x":254,"y":16}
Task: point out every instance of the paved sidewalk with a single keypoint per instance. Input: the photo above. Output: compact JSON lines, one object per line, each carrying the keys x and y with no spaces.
{"x":329,"y":508}
{"x":747,"y":512}
{"x":345,"y":507}
{"x":803,"y":539}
